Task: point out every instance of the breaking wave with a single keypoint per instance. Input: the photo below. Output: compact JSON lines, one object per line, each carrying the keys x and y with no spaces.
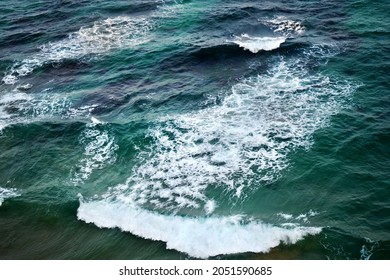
{"x":281,"y":27}
{"x":236,"y":146}
{"x":244,"y":141}
{"x":256,"y":44}
{"x":198,"y":237}
{"x":7,"y":193}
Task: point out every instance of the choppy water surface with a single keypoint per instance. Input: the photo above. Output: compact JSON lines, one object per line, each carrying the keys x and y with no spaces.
{"x":194,"y":129}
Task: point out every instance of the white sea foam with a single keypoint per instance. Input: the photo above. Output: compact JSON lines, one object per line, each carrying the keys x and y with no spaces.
{"x":16,"y":106}
{"x":99,"y":151}
{"x":13,"y":97}
{"x":169,"y":9}
{"x":243,"y":142}
{"x":19,"y":107}
{"x":285,"y":26}
{"x":256,"y":44}
{"x":10,"y":106}
{"x":95,"y":120}
{"x":91,"y":41}
{"x":283,"y":29}
{"x":232,"y":147}
{"x":198,"y":237}
{"x":304,"y":217}
{"x":100,"y":38}
{"x":240,"y":144}
{"x":7,"y":193}
{"x":368,"y":249}
{"x":286,"y":216}
{"x":103,"y":36}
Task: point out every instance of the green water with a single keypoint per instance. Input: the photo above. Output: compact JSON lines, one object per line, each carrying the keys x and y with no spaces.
{"x":145,"y":130}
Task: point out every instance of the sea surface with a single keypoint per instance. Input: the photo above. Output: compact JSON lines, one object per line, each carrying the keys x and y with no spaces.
{"x":152,"y":129}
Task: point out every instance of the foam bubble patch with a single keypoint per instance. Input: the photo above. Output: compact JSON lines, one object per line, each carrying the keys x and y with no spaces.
{"x":304,"y":217}
{"x":100,"y":38}
{"x":18,"y":107}
{"x":238,"y":145}
{"x":285,"y":26}
{"x":99,"y":151}
{"x":200,"y":237}
{"x":7,"y":193}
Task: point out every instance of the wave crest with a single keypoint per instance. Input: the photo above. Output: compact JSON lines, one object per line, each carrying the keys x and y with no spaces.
{"x":198,"y":237}
{"x":256,"y":44}
{"x":7,"y":193}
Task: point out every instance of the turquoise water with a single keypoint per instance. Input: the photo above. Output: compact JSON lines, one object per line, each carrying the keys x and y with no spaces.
{"x":194,"y":129}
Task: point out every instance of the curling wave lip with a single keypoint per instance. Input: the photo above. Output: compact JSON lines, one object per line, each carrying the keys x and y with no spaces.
{"x":256,"y":44}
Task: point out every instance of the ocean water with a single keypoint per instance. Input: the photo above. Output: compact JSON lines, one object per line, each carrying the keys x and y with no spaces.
{"x":153,"y":129}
